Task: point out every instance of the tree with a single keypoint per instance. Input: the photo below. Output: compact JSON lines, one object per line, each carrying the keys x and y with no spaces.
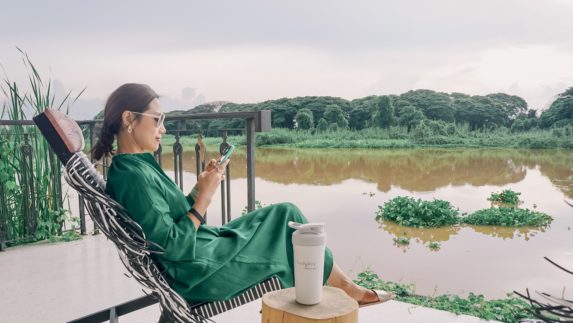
{"x":383,"y":114}
{"x":304,"y":119}
{"x":334,"y":114}
{"x":361,"y":113}
{"x":434,"y":105}
{"x":322,"y":125}
{"x":410,"y":117}
{"x":479,"y":112}
{"x":518,"y":125}
{"x":359,"y":118}
{"x":512,"y":105}
{"x":560,"y":112}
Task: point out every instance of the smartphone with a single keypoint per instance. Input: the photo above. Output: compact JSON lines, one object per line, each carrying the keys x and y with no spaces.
{"x":227,"y":154}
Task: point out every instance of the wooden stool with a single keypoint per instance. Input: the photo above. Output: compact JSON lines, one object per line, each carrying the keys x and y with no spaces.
{"x":280,"y":307}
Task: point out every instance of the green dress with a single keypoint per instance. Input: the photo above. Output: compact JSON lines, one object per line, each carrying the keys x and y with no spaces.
{"x":208,"y":263}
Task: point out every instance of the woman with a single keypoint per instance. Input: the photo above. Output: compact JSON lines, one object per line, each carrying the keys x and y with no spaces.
{"x":202,"y":262}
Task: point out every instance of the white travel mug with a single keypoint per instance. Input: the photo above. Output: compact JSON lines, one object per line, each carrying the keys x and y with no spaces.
{"x":309,"y":243}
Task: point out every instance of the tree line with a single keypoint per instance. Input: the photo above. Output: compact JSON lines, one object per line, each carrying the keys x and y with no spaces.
{"x":409,"y":110}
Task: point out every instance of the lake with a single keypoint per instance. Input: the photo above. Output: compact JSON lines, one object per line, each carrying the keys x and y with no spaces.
{"x":345,"y":187}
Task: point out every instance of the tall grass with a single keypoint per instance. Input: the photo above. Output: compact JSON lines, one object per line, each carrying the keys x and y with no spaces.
{"x":21,"y":102}
{"x":399,"y":137}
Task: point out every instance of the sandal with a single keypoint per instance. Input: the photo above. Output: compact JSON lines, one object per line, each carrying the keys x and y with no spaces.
{"x":383,"y":296}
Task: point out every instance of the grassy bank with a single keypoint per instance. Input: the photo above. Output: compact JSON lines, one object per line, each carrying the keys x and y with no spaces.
{"x":212,"y":143}
{"x":511,"y":309}
{"x":399,"y":137}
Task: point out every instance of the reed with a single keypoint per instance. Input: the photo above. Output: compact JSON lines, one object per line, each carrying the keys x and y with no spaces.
{"x":32,"y":185}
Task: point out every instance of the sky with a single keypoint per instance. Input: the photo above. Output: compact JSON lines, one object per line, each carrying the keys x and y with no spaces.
{"x":249,"y":51}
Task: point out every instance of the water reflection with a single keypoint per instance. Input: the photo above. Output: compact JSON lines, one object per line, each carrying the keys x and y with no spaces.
{"x":418,"y":170}
{"x":425,"y":235}
{"x":509,"y":233}
{"x":443,"y":234}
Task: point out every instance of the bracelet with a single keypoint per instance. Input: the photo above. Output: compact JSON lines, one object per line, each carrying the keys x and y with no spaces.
{"x":198,"y":215}
{"x":195,"y":192}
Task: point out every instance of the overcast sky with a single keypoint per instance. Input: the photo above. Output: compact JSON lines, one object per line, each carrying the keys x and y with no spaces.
{"x":250,"y":51}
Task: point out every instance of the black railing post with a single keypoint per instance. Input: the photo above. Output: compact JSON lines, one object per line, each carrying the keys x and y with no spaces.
{"x":81,"y":202}
{"x":105,"y":164}
{"x":228,"y":180}
{"x":200,"y":153}
{"x":3,"y":215}
{"x":250,"y":164}
{"x":29,"y":203}
{"x":58,"y":179}
{"x":225,"y":185}
{"x":157,"y":155}
{"x":178,"y":161}
{"x":222,"y":148}
{"x":81,"y":206}
{"x":56,"y":185}
{"x":92,"y":126}
{"x":82,"y":216}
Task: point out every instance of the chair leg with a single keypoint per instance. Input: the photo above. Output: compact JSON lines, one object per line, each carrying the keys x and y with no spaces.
{"x":163,"y":318}
{"x":113,"y":316}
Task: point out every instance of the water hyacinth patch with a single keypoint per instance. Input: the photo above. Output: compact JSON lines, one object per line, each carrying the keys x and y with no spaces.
{"x":418,"y":213}
{"x":505,"y":198}
{"x":508,"y":217}
{"x":410,"y":212}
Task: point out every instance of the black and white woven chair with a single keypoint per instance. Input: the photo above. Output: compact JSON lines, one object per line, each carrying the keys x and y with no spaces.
{"x":66,"y":139}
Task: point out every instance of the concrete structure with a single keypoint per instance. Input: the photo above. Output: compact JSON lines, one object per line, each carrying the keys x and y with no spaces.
{"x":57,"y":282}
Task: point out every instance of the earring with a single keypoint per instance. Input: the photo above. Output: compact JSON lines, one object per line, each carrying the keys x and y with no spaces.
{"x":129,"y":129}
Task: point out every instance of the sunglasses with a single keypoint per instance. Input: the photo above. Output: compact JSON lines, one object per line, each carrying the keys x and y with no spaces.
{"x":158,"y":118}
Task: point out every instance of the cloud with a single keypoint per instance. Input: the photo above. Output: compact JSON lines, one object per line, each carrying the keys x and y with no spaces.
{"x":532,"y":72}
{"x":254,"y":50}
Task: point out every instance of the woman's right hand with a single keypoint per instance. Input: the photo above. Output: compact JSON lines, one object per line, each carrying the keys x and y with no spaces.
{"x":207,"y":184}
{"x":209,"y":181}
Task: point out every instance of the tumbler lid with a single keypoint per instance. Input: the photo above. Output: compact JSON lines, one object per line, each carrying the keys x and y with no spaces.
{"x":308,"y":234}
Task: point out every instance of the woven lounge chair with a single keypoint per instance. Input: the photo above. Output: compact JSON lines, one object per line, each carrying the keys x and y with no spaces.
{"x":136,"y":252}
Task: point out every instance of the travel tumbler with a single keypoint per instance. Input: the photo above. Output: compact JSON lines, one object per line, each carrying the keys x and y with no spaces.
{"x":309,"y":243}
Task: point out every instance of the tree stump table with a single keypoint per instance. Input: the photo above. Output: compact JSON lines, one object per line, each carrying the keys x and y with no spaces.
{"x":281,"y":307}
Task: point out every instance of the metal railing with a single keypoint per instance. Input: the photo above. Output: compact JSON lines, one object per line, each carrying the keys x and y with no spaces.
{"x":256,"y":121}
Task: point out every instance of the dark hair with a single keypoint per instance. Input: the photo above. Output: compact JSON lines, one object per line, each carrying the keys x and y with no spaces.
{"x":130,"y":96}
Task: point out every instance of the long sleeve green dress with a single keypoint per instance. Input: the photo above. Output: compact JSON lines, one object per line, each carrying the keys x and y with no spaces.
{"x":208,"y":263}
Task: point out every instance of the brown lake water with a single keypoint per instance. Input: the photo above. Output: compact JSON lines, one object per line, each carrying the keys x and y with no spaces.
{"x":345,"y":187}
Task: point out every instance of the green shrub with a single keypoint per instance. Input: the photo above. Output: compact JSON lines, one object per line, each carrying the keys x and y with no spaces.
{"x":558,"y":133}
{"x":538,"y":142}
{"x":508,"y":217}
{"x":506,"y":197}
{"x":322,"y":125}
{"x":410,"y":212}
{"x":274,"y":138}
{"x":451,"y":129}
